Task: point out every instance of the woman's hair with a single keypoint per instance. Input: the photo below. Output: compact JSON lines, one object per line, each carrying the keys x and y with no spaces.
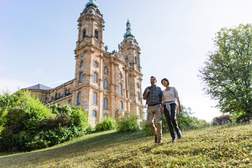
{"x":165,"y":79}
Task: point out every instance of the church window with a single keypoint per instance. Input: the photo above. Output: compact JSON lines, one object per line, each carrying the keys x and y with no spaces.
{"x":81,"y":63}
{"x":95,"y":77}
{"x":121,"y":106}
{"x":96,"y":64}
{"x":84,"y":34}
{"x":139,"y":96}
{"x":106,"y":84}
{"x":121,"y":89}
{"x":81,"y":77}
{"x":106,"y":70}
{"x":95,"y":98}
{"x":120,"y":75}
{"x":94,"y":114}
{"x":78,"y":101}
{"x":105,"y":103}
{"x":138,"y":85}
{"x":96,"y":34}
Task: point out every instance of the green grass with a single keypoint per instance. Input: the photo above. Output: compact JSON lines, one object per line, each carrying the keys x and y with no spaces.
{"x":229,"y":146}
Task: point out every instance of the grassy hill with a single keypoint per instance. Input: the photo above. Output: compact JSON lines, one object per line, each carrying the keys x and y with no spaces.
{"x":211,"y":147}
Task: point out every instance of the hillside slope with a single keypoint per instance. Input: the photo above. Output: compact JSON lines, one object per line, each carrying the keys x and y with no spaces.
{"x":210,"y":147}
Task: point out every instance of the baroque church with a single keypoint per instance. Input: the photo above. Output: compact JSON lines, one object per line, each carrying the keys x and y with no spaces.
{"x":105,"y":83}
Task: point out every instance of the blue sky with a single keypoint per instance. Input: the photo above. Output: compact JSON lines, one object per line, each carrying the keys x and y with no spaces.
{"x":37,"y":40}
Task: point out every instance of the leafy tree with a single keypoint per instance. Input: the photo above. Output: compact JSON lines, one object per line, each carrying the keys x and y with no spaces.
{"x":227,"y":72}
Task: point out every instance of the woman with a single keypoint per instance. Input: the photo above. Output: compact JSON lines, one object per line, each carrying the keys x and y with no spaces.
{"x":169,"y":99}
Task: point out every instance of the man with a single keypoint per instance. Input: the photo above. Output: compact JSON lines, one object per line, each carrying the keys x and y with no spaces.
{"x":153,"y":96}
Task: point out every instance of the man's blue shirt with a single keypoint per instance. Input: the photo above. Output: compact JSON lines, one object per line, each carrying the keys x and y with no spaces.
{"x":154,"y":96}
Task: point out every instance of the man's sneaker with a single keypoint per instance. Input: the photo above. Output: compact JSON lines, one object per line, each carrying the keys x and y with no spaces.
{"x":160,"y":142}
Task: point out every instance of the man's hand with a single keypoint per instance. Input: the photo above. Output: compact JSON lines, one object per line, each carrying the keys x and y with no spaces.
{"x":162,"y":109}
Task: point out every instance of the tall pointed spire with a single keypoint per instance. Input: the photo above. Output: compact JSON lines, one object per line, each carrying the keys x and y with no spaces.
{"x":128,"y":30}
{"x":91,"y":2}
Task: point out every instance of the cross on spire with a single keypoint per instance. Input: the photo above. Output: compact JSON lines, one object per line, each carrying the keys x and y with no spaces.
{"x":128,"y":30}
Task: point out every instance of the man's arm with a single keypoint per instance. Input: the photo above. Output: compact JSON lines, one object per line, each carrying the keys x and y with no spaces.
{"x":160,"y":95}
{"x":146,"y":93}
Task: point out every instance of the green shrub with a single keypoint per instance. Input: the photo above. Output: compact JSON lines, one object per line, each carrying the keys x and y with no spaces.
{"x":30,"y":125}
{"x":128,"y":124}
{"x":107,"y":124}
{"x":90,"y":130}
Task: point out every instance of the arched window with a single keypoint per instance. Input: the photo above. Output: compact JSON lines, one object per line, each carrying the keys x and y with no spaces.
{"x":121,"y":75}
{"x":94,"y":114}
{"x":81,"y":63}
{"x":120,"y":89}
{"x":136,"y":62}
{"x":81,"y":77}
{"x":121,"y":106}
{"x":139,"y":96}
{"x":95,"y":98}
{"x":96,"y":34}
{"x":105,"y":84}
{"x":105,"y":103}
{"x":106,"y":70}
{"x":138,"y":85}
{"x":84,"y":33}
{"x":95,"y":77}
{"x":96,"y":64}
{"x":78,"y":100}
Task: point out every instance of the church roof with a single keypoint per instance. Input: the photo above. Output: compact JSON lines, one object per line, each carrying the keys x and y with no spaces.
{"x":38,"y":87}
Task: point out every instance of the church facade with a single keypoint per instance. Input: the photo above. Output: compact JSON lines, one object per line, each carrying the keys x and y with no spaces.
{"x":105,"y":83}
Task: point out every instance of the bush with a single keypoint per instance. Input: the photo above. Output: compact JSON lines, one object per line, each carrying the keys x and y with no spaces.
{"x":30,"y":125}
{"x":105,"y":125}
{"x":90,"y":130}
{"x":128,"y":124}
{"x":187,"y":122}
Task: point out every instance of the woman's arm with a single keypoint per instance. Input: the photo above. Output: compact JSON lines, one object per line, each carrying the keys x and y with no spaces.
{"x":179,"y":105}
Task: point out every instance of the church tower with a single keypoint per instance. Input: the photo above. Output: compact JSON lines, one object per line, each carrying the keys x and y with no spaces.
{"x":130,"y":50}
{"x":88,"y":54}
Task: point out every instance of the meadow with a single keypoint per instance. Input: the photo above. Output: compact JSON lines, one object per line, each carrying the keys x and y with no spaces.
{"x":220,"y":146}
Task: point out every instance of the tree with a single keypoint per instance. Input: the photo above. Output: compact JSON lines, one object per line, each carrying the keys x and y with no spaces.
{"x":228,"y":71}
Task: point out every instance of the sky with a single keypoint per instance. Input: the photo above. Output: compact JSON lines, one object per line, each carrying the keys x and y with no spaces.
{"x":38,"y":38}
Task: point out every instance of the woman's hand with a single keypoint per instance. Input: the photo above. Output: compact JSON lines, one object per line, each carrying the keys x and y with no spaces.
{"x":178,"y":109}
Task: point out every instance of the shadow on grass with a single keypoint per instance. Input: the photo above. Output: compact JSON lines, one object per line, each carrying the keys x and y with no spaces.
{"x":81,"y":145}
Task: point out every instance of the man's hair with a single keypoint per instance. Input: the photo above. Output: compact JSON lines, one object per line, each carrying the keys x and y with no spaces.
{"x":165,"y":79}
{"x":153,"y":77}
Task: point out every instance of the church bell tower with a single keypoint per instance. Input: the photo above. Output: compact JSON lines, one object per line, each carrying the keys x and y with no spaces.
{"x":88,"y":54}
